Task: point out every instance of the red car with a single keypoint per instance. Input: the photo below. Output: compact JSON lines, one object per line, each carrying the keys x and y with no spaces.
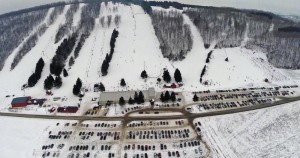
{"x":52,"y":109}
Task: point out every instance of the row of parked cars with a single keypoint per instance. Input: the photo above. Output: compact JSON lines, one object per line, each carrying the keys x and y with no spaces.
{"x":220,"y":105}
{"x":159,"y":134}
{"x":126,"y":110}
{"x":148,"y":123}
{"x":48,"y":154}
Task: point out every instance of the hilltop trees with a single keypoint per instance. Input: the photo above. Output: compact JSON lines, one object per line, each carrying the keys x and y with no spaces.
{"x":177,"y":76}
{"x":173,"y":34}
{"x":166,"y":76}
{"x":14,"y":28}
{"x":77,"y":87}
{"x":35,"y":77}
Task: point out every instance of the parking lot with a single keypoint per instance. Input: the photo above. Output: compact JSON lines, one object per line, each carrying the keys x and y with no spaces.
{"x":100,"y":139}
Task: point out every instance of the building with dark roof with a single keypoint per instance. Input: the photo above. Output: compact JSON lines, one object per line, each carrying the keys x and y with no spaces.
{"x":20,"y":102}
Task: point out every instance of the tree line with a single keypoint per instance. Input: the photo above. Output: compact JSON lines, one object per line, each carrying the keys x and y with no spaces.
{"x":35,"y":77}
{"x":106,"y":61}
{"x":63,"y":51}
{"x":174,"y":36}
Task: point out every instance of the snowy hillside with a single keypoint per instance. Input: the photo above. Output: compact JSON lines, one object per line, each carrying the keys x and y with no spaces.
{"x":66,"y":51}
{"x":137,"y":48}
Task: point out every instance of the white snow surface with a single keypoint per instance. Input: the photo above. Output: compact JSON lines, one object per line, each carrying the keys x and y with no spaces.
{"x":19,"y":136}
{"x":271,"y":132}
{"x":137,"y":48}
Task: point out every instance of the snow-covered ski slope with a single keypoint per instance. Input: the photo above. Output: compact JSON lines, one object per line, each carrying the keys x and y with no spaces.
{"x":137,"y":48}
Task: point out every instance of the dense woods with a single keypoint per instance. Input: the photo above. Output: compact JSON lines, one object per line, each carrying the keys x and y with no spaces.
{"x":223,"y":27}
{"x":63,"y":51}
{"x":264,"y":31}
{"x":174,"y":36}
{"x":15,"y":28}
{"x":66,"y":28}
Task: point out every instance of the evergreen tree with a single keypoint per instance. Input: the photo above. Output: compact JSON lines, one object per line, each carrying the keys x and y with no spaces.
{"x":76,"y":90}
{"x":104,"y":67}
{"x":141,"y":97}
{"x":136,"y":97}
{"x":122,"y":101}
{"x":144,"y":74}
{"x":71,"y":61}
{"x":123,"y":83}
{"x":203,"y":71}
{"x":77,"y":87}
{"x":101,"y":87}
{"x":32,"y":80}
{"x":79,"y":82}
{"x":158,"y":80}
{"x":57,"y":82}
{"x":130,"y":101}
{"x":35,"y":77}
{"x":166,"y":76}
{"x":48,"y":83}
{"x":195,"y":98}
{"x":173,"y":97}
{"x":167,"y":96}
{"x":162,"y":97}
{"x":65,"y":73}
{"x":177,"y":76}
{"x":39,"y":66}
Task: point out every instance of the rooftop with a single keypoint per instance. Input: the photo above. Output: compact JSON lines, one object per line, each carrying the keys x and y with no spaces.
{"x":19,"y":100}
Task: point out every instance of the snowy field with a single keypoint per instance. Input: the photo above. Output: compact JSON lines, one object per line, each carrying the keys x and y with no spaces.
{"x":271,"y":132}
{"x":21,"y":135}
